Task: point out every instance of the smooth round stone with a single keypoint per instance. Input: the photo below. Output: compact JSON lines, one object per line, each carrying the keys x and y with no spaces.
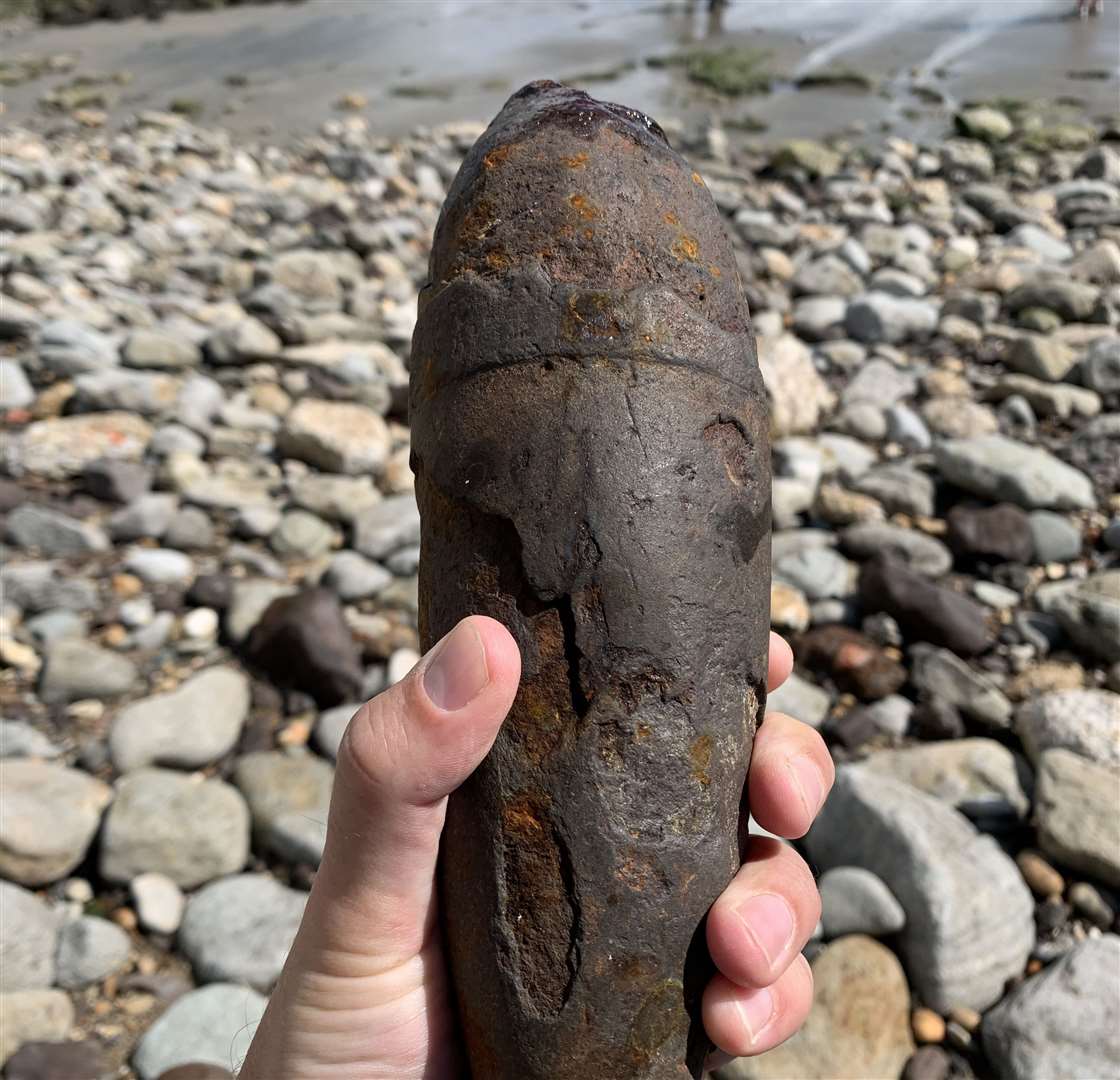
{"x":995,"y":596}
{"x":1055,"y":538}
{"x":301,"y":535}
{"x":819,"y":573}
{"x":160,"y":566}
{"x":33,"y":793}
{"x":28,"y":939}
{"x":201,"y":624}
{"x":240,"y":929}
{"x":213,"y":1025}
{"x":159,"y":902}
{"x":89,"y":950}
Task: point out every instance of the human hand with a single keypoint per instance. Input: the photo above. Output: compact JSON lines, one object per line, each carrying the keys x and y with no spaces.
{"x":365,"y":992}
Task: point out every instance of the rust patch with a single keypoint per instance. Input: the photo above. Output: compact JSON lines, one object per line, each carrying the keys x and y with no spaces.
{"x":476,"y":223}
{"x":584,"y":207}
{"x":715,"y":271}
{"x":591,"y":314}
{"x":497,"y":156}
{"x":658,"y":1020}
{"x":671,"y":218}
{"x":497,"y":260}
{"x":541,"y":911}
{"x":686,"y":248}
{"x":700,"y":754}
{"x":576,"y":161}
{"x":697,"y":179}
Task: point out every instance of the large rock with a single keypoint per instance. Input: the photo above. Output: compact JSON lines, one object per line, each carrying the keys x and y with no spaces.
{"x":189,"y":829}
{"x":288,"y":797}
{"x":979,"y":777}
{"x":880,"y":317}
{"x":188,"y":727}
{"x":76,"y":669}
{"x":940,"y":673}
{"x":28,"y":940}
{"x":69,"y":348}
{"x":213,"y":1025}
{"x":969,"y":916}
{"x":48,"y":816}
{"x":1088,"y":610}
{"x":303,"y":641}
{"x":1042,"y":357}
{"x":387,"y":527}
{"x":858,"y":1027}
{"x":240,"y":929}
{"x":925,"y":554}
{"x":33,"y":1016}
{"x":157,"y":348}
{"x":54,"y":533}
{"x":924,"y":611}
{"x":1002,"y":469}
{"x":1084,"y":721}
{"x":855,"y":901}
{"x":89,"y":950}
{"x":335,"y":436}
{"x":63,"y":446}
{"x":991,"y":532}
{"x":799,"y":397}
{"x":40,"y":586}
{"x":1075,"y":809}
{"x":801,"y":699}
{"x":1065,"y":1021}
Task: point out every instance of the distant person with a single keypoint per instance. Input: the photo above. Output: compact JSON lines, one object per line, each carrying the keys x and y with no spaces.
{"x":1085,"y":8}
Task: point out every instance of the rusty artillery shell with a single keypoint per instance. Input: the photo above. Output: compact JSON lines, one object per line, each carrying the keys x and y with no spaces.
{"x":589,"y":437}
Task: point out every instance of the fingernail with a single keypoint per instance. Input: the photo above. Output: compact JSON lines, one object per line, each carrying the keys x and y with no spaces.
{"x":756,"y":1011}
{"x":807,"y":777}
{"x":457,"y":672}
{"x":769,"y":923}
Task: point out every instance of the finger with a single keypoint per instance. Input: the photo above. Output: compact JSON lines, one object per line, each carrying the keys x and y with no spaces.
{"x":780,"y":662}
{"x":761,"y":921}
{"x":402,"y":754}
{"x":791,"y":774}
{"x":743,"y":1022}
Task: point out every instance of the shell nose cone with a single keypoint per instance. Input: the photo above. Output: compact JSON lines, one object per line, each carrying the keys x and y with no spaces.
{"x":551,"y":103}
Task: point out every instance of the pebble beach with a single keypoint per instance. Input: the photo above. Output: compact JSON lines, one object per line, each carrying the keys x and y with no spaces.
{"x":209,"y":545}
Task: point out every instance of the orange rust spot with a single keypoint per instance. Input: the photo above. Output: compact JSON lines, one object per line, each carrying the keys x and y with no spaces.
{"x":477,"y":223}
{"x":497,"y":260}
{"x":672,"y":219}
{"x":584,"y":207}
{"x":576,"y":161}
{"x":697,"y":179}
{"x":641,"y":731}
{"x":700,"y":753}
{"x":686,"y":247}
{"x":496,"y":156}
{"x":715,"y":271}
{"x":521,"y":818}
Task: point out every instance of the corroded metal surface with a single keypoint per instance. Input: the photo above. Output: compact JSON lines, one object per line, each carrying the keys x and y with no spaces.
{"x":589,"y":438}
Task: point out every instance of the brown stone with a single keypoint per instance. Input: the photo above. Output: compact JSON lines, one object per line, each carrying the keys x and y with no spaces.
{"x":590,"y":443}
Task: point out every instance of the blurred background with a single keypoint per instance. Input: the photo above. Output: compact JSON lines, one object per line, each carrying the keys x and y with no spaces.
{"x":214,"y":227}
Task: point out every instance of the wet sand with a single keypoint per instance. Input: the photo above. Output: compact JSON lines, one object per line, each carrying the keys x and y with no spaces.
{"x":423,"y":62}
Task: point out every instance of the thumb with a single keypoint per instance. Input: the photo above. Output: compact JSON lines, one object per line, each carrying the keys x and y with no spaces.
{"x":403,"y":753}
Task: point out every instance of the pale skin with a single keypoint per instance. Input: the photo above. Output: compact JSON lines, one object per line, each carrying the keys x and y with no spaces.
{"x":366,"y":992}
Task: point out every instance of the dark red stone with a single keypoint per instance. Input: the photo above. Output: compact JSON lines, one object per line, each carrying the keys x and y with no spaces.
{"x":924,"y":611}
{"x":991,"y":532}
{"x":856,"y":663}
{"x":302,"y":642}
